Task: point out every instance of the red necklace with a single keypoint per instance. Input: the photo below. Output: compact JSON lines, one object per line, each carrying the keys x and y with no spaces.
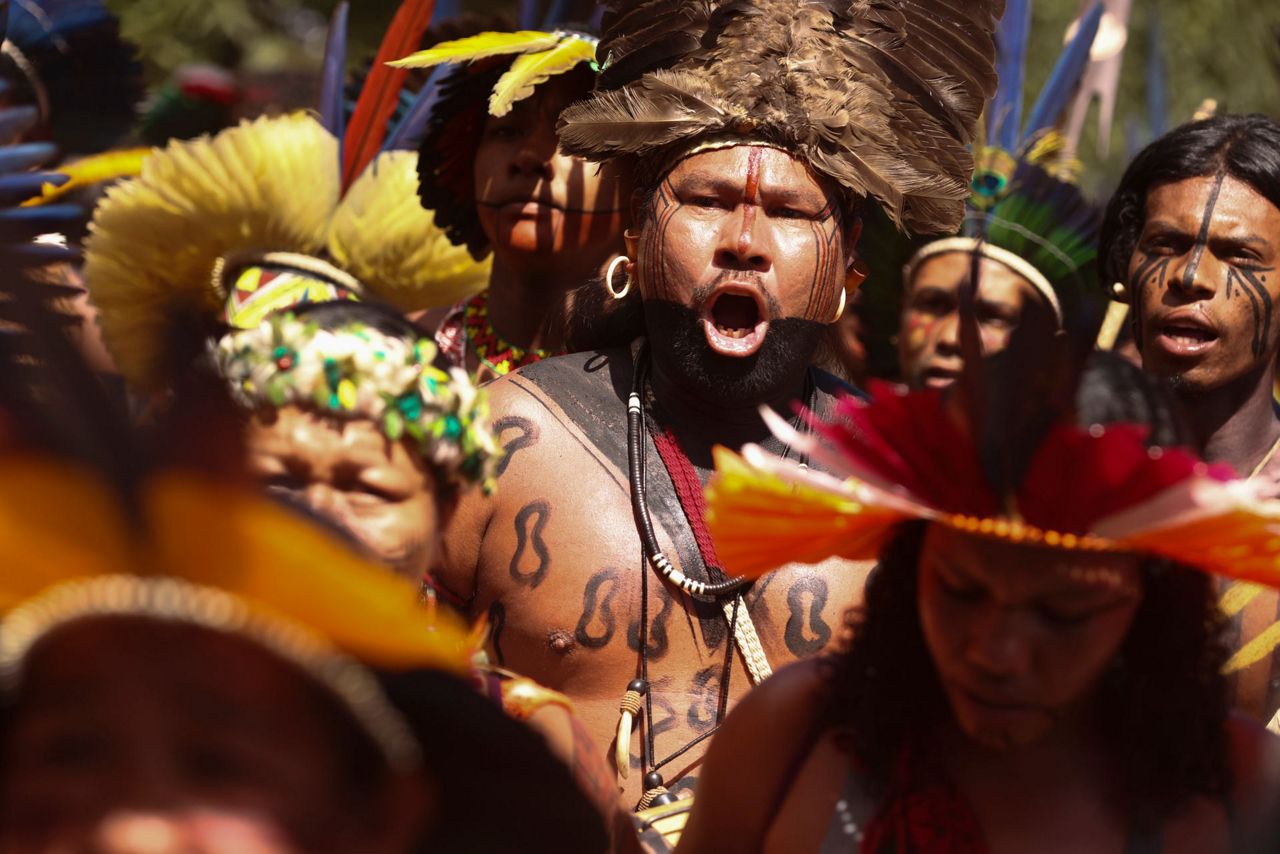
{"x":498,"y":355}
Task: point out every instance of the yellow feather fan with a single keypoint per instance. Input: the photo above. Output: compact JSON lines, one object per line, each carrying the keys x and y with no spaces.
{"x":541,"y":56}
{"x":270,"y":185}
{"x":382,"y":235}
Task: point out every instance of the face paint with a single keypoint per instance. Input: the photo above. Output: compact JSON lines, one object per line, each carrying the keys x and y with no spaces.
{"x":752,"y":225}
{"x":1210,"y":322}
{"x":1202,"y":239}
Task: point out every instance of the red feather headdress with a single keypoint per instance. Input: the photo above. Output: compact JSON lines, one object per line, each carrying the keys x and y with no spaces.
{"x":903,"y":456}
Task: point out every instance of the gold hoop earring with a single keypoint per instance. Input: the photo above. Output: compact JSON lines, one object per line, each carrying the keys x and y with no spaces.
{"x":840,"y":307}
{"x":608,"y":278}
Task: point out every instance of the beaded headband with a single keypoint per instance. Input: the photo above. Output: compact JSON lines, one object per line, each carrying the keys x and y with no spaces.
{"x":1016,"y":263}
{"x":175,"y":601}
{"x":356,"y":371}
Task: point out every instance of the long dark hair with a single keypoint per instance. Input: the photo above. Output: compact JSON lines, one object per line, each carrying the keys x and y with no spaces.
{"x":1162,"y":708}
{"x":1246,"y":147}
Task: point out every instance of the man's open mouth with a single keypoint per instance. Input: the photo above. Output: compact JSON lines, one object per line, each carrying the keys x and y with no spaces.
{"x":735,"y":320}
{"x":1186,"y":336}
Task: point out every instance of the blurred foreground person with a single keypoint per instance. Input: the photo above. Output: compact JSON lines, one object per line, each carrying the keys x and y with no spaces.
{"x":187,"y":666}
{"x":491,"y":167}
{"x":593,"y":556}
{"x":1036,"y":666}
{"x":1192,"y":242}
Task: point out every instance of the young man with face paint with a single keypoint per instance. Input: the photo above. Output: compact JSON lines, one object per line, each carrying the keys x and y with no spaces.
{"x":1192,"y":241}
{"x":593,"y":563}
{"x":491,"y":167}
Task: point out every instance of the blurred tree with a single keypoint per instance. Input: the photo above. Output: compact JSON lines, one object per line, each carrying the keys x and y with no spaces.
{"x":1222,"y":49}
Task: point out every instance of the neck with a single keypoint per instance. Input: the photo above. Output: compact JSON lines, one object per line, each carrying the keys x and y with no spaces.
{"x":528,"y":307}
{"x":702,"y":423}
{"x":1069,"y":757}
{"x":1236,"y":423}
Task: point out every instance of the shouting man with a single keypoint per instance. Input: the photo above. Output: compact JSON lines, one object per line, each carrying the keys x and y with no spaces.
{"x":1192,"y":241}
{"x":593,"y":563}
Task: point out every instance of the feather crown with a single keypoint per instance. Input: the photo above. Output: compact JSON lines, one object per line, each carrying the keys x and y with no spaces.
{"x":270,"y":214}
{"x":203,"y":218}
{"x":906,"y":456}
{"x":882,"y":96}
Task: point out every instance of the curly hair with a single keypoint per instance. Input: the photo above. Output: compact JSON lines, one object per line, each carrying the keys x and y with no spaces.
{"x":1163,"y":706}
{"x":1246,"y":147}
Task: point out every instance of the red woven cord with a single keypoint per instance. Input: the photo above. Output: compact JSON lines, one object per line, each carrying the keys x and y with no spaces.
{"x":689,"y":493}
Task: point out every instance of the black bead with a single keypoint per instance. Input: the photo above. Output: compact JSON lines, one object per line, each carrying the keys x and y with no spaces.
{"x":663,"y":799}
{"x":636,"y":685}
{"x":653,"y":780}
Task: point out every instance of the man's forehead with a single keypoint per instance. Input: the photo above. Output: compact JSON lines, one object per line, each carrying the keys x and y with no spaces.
{"x":1238,"y":209}
{"x":739,"y":159}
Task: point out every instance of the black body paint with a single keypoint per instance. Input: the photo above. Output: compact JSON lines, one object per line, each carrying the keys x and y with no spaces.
{"x":527,"y":438}
{"x":531,"y":522}
{"x":813,"y":589}
{"x":497,"y":622}
{"x":597,"y":624}
{"x":658,"y":642}
{"x":706,"y":687}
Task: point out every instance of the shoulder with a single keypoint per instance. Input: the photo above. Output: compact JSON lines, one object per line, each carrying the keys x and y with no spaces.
{"x":762,"y":740}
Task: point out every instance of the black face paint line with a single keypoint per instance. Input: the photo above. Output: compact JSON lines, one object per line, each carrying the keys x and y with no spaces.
{"x":1252,"y":283}
{"x":1202,"y":239}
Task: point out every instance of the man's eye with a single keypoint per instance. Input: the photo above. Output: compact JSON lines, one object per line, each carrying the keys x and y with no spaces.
{"x":789,"y":213}
{"x":705,"y":202}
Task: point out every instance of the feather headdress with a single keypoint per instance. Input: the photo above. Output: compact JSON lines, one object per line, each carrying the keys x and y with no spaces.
{"x":882,"y":96}
{"x":270,"y":214}
{"x":495,"y":70}
{"x":67,"y":58}
{"x":202,"y":216}
{"x":911,"y":456}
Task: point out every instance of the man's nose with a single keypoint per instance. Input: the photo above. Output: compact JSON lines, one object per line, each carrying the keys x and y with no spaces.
{"x":1198,"y":277}
{"x":948,"y":343}
{"x":537,"y":149}
{"x":743,"y":244}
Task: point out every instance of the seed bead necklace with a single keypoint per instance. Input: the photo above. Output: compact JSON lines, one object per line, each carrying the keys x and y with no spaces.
{"x":499,"y":355}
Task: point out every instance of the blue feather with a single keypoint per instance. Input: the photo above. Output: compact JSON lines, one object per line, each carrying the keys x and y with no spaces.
{"x":1004,"y":113}
{"x":1065,"y":76}
{"x":409,"y":130}
{"x":557,"y":12}
{"x":444,"y":10}
{"x":1157,"y":82}
{"x":332,"y":114}
{"x":527,"y":14}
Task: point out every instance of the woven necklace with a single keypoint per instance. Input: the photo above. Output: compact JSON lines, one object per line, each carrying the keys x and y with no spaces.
{"x":499,"y":355}
{"x":688,"y":489}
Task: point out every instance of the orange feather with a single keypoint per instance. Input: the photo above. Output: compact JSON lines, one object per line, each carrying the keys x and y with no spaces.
{"x":378,"y":98}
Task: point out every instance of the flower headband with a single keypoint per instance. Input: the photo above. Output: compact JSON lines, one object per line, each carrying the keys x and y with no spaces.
{"x":356,"y":371}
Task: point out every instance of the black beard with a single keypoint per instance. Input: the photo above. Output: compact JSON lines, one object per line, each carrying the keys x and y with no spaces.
{"x":679,"y":346}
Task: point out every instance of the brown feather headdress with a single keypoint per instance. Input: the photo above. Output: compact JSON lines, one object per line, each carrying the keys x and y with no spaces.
{"x":883,"y":96}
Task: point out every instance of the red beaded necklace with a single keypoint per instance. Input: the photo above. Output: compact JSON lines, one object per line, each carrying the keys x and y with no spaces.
{"x":497,"y":354}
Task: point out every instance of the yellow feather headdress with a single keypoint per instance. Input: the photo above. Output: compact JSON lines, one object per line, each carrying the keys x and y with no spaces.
{"x":177,"y":235}
{"x":539,"y":56}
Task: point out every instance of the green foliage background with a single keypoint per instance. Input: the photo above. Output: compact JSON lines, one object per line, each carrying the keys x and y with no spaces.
{"x":1224,"y":49}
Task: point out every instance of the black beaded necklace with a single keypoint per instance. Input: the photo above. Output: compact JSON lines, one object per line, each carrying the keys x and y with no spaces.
{"x":654,"y":784}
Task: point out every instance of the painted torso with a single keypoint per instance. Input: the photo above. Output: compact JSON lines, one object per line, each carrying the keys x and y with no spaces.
{"x":555,"y":563}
